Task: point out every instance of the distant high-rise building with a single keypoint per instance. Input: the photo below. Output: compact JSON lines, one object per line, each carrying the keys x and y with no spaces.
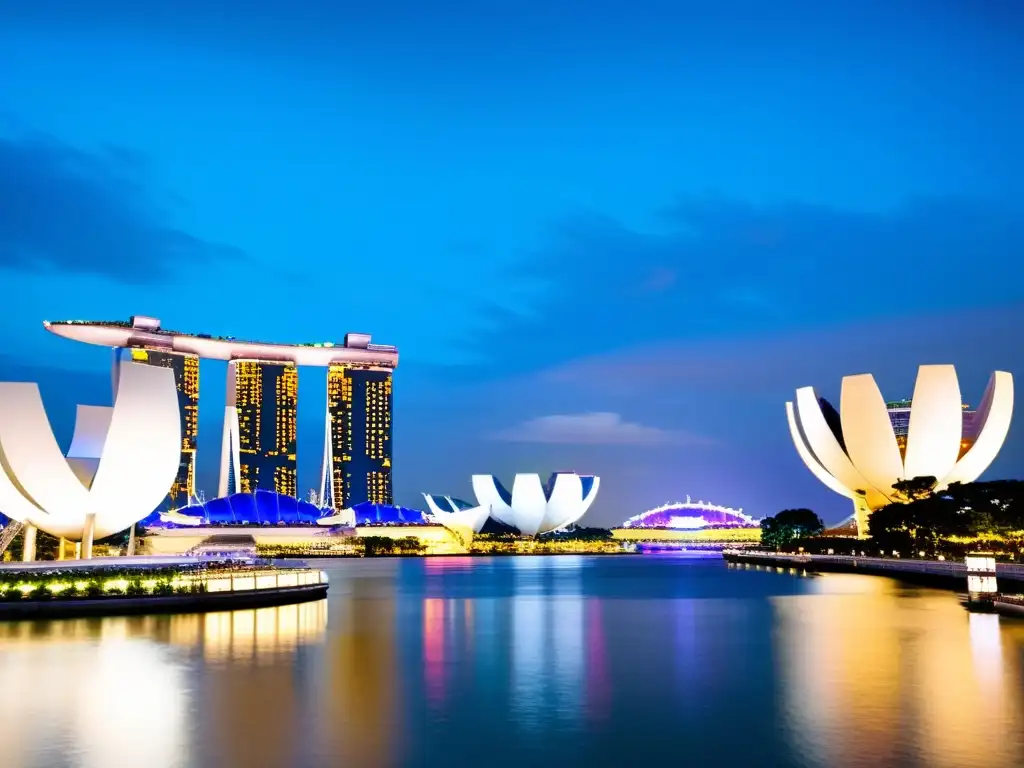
{"x":259,"y":438}
{"x":260,"y":428}
{"x":899,"y":417}
{"x":357,"y":450}
{"x":186,"y":381}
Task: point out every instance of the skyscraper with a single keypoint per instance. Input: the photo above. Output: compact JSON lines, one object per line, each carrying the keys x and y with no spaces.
{"x":186,"y":381}
{"x":260,"y":428}
{"x":357,"y":450}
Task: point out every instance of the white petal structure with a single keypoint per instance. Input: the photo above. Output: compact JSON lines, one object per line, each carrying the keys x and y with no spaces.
{"x":861,"y":452}
{"x":461,"y":518}
{"x":121,"y":463}
{"x":533,"y":507}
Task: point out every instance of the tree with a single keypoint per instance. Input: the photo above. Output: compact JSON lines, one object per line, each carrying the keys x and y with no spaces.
{"x":578,"y":533}
{"x":914,"y":489}
{"x":788,"y":526}
{"x":963,"y":511}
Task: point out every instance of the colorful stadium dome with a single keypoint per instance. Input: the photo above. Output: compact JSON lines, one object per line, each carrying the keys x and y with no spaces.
{"x":691,"y":515}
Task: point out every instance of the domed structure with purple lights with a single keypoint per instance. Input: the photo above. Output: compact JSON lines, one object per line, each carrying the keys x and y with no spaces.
{"x":690,"y":516}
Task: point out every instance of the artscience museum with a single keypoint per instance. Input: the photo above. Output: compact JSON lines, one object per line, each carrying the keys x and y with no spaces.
{"x":120,"y":464}
{"x":532,"y":507}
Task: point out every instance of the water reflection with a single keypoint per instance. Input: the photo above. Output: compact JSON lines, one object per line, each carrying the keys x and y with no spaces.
{"x":547,"y":640}
{"x":873,"y":674}
{"x":357,"y":713}
{"x":70,"y":694}
{"x":547,"y":661}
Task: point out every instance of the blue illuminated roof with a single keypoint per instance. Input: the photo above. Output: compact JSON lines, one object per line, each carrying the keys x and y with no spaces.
{"x":377,"y":514}
{"x":259,"y":508}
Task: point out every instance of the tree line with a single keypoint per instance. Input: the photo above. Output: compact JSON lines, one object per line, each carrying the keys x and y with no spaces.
{"x":950,"y":522}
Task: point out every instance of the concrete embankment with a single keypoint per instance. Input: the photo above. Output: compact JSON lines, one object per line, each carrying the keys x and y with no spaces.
{"x":153,"y":604}
{"x":931,"y":573}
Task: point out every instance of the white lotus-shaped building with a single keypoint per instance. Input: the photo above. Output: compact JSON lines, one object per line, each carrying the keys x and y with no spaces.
{"x":122,"y":460}
{"x":868,"y":446}
{"x":458,"y":516}
{"x":534,"y":507}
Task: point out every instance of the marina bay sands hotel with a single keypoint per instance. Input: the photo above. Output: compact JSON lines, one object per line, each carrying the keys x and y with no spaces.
{"x":258,"y":446}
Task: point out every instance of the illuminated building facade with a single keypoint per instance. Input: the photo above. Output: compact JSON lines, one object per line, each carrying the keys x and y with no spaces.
{"x":258,"y":446}
{"x":186,"y":382}
{"x":899,"y":415}
{"x":357,"y":450}
{"x":858,"y":452}
{"x":260,"y":428}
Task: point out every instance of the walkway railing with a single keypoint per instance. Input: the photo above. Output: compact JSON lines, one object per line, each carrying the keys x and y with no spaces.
{"x":938,"y":567}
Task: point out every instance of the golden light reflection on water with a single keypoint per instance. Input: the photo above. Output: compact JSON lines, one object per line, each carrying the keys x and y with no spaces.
{"x":119,"y":691}
{"x":873,"y":675}
{"x":358,"y":714}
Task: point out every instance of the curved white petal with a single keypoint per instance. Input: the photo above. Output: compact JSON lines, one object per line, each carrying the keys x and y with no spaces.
{"x":435,"y":510}
{"x":867,"y":432}
{"x":465,"y":522}
{"x":936,"y":423}
{"x":140,"y":454}
{"x":994,"y":415}
{"x":13,"y":502}
{"x":564,"y":502}
{"x":812,"y":463}
{"x":829,"y":452}
{"x":34,"y":458}
{"x":92,"y":423}
{"x":528,"y":503}
{"x":587,"y":500}
{"x":488,"y":495}
{"x":142,"y":451}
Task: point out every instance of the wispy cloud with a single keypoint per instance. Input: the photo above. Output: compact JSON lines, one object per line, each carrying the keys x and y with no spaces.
{"x":68,"y":210}
{"x":593,"y":429}
{"x":722,"y":268}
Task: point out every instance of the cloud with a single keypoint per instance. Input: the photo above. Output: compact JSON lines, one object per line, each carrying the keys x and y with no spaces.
{"x":592,"y":429}
{"x":977,"y":341}
{"x":67,"y":210}
{"x":719,"y":269}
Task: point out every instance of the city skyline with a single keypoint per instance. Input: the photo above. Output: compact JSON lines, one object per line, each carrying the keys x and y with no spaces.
{"x":606,"y":239}
{"x":259,"y":434}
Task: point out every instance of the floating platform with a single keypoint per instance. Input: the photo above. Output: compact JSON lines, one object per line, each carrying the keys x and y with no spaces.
{"x":140,"y":585}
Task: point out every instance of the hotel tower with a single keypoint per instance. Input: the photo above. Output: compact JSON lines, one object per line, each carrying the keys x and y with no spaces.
{"x":258,"y":445}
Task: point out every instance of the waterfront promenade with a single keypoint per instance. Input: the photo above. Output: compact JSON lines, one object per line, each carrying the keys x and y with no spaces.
{"x":942,"y":573}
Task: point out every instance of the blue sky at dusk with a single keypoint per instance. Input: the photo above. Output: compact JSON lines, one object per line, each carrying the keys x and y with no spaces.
{"x":611,"y":237}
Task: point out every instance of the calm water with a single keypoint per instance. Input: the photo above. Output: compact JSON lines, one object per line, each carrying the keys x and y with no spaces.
{"x":528,"y":662}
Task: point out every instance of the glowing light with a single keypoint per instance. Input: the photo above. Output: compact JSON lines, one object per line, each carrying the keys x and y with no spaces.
{"x":690,"y":515}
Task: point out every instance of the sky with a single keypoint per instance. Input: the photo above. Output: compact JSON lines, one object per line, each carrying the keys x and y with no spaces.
{"x":606,"y":237}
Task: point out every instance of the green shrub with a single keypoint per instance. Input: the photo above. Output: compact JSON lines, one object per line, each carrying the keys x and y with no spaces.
{"x":135,"y":589}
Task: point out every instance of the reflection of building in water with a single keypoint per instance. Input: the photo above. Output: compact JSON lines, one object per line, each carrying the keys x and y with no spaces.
{"x":58,"y":688}
{"x":598,"y":686}
{"x":433,"y":648}
{"x":252,"y":636}
{"x":872,"y":679}
{"x":547,"y":640}
{"x":360,"y":713}
{"x":251,"y":658}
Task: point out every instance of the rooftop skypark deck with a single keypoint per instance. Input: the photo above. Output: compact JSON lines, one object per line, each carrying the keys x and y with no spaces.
{"x":141,"y":331}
